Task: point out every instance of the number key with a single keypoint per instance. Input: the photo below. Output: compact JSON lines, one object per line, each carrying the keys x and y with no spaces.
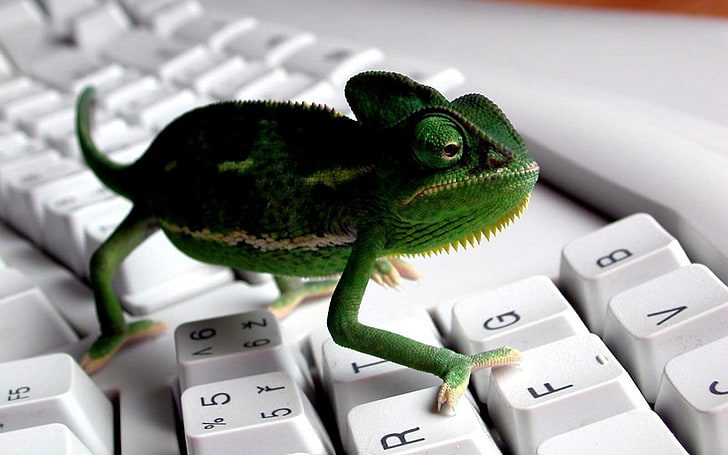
{"x":264,"y":413}
{"x":232,"y":346}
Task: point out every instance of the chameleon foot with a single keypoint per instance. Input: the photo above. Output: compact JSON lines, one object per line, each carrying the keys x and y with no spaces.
{"x":106,"y":346}
{"x":288,"y":300}
{"x":456,"y":380}
{"x":389,"y":272}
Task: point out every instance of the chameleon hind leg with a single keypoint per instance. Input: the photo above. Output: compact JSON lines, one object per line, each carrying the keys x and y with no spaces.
{"x":115,"y":332}
{"x":294,"y":290}
{"x":453,"y":368}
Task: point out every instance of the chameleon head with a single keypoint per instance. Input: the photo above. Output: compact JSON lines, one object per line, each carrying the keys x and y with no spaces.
{"x":454,"y":170}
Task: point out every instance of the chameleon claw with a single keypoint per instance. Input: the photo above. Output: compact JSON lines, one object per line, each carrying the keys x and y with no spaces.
{"x":106,"y":346}
{"x":456,"y":380}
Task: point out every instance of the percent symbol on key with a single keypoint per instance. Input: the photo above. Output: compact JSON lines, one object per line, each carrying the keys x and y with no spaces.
{"x":214,"y":423}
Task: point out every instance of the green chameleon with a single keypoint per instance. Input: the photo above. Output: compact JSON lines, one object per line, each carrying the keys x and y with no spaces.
{"x":299,"y":190}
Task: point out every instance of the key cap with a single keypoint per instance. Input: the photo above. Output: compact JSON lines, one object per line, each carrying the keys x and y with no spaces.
{"x":17,"y":87}
{"x":352,"y":378}
{"x":261,"y":414}
{"x":336,"y":61}
{"x":300,"y":87}
{"x":556,"y":388}
{"x":30,"y":325}
{"x":62,"y":12}
{"x":94,"y":28}
{"x":155,"y":274}
{"x":32,"y":397}
{"x":27,"y":191}
{"x":169,"y":16}
{"x":18,"y":14}
{"x":614,"y":258}
{"x":68,"y":212}
{"x":408,"y":422}
{"x":214,"y":30}
{"x":442,"y":78}
{"x":151,"y":53}
{"x":71,"y":70}
{"x":132,"y":86}
{"x":270,"y":43}
{"x":228,"y":347}
{"x":634,"y":432}
{"x":50,"y":439}
{"x":693,"y":397}
{"x":33,"y":102}
{"x":525,"y":314}
{"x":159,"y":108}
{"x":236,"y":84}
{"x":650,"y":324}
{"x":205,"y":77}
{"x":9,"y":169}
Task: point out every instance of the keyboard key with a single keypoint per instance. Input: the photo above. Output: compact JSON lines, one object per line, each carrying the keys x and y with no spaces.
{"x":205,"y":77}
{"x":652,"y":323}
{"x":634,"y":432}
{"x":556,"y":388}
{"x":214,"y":31}
{"x":62,"y":12}
{"x":27,"y":191}
{"x":51,"y":439}
{"x":442,"y":78}
{"x":95,"y":27}
{"x":66,"y":215}
{"x":228,"y":347}
{"x":620,"y":255}
{"x":693,"y":397}
{"x":30,"y":104}
{"x":151,"y":53}
{"x":29,"y":163}
{"x":71,"y":70}
{"x":121,"y":93}
{"x":352,"y":378}
{"x":32,"y":396}
{"x":525,"y":314}
{"x":15,"y":14}
{"x":30,"y":325}
{"x":336,"y":61}
{"x":155,"y":274}
{"x":270,"y":43}
{"x":170,"y":14}
{"x":253,"y":77}
{"x":263,"y":414}
{"x":408,"y":422}
{"x":160,"y":107}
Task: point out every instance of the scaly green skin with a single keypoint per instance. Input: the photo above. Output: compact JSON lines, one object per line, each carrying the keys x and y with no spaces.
{"x":301,"y":191}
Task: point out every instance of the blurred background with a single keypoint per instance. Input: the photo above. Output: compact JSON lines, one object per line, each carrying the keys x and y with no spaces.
{"x":698,"y":7}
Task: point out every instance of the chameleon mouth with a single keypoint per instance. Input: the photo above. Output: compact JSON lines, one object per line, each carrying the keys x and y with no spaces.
{"x":531,"y":169}
{"x":476,"y":237}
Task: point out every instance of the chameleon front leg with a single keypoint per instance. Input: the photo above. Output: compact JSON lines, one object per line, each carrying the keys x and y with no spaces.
{"x":294,"y":290}
{"x":115,"y":332}
{"x":453,"y":368}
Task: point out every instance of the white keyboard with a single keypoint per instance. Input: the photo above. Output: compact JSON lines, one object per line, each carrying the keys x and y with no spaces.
{"x":623,"y":323}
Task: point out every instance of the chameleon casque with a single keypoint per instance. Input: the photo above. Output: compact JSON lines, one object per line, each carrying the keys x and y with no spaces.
{"x":299,"y":190}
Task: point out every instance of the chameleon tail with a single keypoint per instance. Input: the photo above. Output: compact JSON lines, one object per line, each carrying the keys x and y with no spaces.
{"x":114,"y":175}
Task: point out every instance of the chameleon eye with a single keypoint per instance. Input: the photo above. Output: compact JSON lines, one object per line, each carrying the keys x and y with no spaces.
{"x":437,"y":142}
